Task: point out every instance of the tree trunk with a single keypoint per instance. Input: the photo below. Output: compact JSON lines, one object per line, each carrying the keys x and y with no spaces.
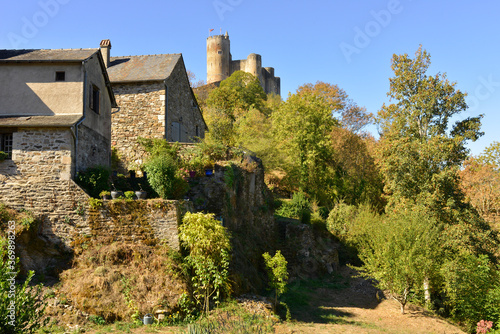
{"x":427,"y":292}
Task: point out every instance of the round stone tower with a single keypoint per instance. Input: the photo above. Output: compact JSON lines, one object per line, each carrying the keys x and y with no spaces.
{"x":254,"y":66}
{"x":218,"y":58}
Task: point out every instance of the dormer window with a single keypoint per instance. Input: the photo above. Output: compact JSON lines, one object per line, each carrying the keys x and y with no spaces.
{"x":60,"y":76}
{"x":94,"y":98}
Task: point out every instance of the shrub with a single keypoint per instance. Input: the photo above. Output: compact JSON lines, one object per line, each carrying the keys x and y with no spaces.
{"x":208,"y":244}
{"x":163,"y":176}
{"x":94,"y":180}
{"x":21,"y":311}
{"x":3,"y":156}
{"x":299,"y":207}
{"x":276,"y":267}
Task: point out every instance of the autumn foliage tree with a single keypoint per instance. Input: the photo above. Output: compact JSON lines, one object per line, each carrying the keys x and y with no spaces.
{"x":419,"y":156}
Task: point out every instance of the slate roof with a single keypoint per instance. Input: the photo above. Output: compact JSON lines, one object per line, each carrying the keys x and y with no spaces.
{"x":37,"y":55}
{"x":40,"y":121}
{"x":142,"y":68}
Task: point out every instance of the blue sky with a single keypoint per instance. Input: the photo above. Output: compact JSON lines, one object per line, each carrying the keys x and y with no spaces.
{"x":348,"y":43}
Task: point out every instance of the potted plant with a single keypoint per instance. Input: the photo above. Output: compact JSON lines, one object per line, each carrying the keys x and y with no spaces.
{"x":116,"y":193}
{"x":194,"y":165}
{"x":130,"y":194}
{"x":209,"y":168}
{"x":105,"y":195}
{"x":141,"y":194}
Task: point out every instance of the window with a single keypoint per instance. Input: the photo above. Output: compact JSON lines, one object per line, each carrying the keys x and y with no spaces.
{"x":94,"y":98}
{"x":60,"y":76}
{"x":6,"y":143}
{"x":219,"y":52}
{"x":197,"y":131}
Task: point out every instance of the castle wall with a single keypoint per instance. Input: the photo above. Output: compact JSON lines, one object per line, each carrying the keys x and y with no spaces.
{"x":220,"y":65}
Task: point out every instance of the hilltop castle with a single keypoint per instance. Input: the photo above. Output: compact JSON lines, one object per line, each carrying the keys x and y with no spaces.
{"x":220,"y":65}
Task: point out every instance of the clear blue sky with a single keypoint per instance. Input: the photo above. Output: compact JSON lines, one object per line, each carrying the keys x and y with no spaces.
{"x":348,"y":43}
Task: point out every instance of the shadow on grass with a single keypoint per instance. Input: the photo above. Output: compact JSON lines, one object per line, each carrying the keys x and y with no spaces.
{"x":322,"y":300}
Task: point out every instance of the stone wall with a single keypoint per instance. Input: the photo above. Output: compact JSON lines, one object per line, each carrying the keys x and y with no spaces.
{"x":182,"y":111}
{"x":141,"y":114}
{"x":93,"y":149}
{"x":39,"y":179}
{"x":146,"y":221}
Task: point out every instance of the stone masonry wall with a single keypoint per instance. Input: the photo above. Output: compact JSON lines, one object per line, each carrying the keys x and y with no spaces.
{"x":141,"y":114}
{"x":182,"y":107}
{"x":146,"y":221}
{"x":38,"y":179}
{"x":93,"y":149}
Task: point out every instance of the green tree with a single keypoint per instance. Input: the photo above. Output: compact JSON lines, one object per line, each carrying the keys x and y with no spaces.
{"x":276,"y":267}
{"x":22,"y":309}
{"x":472,"y":288}
{"x":230,"y":104}
{"x":301,"y":129}
{"x":208,"y":243}
{"x":419,"y":156}
{"x":401,"y":252}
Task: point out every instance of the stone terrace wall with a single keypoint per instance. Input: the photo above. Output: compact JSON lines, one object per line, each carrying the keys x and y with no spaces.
{"x":38,"y":179}
{"x":146,"y":221}
{"x":142,"y":114}
{"x":93,"y":149}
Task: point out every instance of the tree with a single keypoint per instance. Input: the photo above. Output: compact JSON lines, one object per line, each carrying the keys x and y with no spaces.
{"x":351,"y":116}
{"x":401,"y":251}
{"x":419,"y":156}
{"x":277,"y":273}
{"x":301,"y":129}
{"x":480,"y":182}
{"x":228,"y":105}
{"x":209,"y":245}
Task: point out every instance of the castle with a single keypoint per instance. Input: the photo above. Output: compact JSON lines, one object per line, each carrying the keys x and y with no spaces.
{"x":220,"y":65}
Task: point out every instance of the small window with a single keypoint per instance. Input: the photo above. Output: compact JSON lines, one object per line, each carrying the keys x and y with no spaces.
{"x":6,"y":144}
{"x":94,"y":98}
{"x":219,"y":52}
{"x":60,"y":76}
{"x":197,"y":131}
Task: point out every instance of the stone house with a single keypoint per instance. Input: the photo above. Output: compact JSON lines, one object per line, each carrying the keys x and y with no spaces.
{"x":155,"y":101}
{"x":55,"y":120}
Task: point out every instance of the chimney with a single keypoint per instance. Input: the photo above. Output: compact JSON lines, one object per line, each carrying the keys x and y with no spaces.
{"x":106,"y":51}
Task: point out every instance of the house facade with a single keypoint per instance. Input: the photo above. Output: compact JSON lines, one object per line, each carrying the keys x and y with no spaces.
{"x":155,"y":101}
{"x":55,"y":120}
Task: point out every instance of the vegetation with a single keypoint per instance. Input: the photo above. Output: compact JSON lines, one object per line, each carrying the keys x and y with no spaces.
{"x":94,"y":180}
{"x":277,"y":273}
{"x":208,"y":244}
{"x":22,"y":306}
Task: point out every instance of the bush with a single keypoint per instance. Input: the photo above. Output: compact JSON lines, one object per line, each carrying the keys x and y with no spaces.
{"x":94,"y":180}
{"x":3,"y":156}
{"x":299,"y":208}
{"x":163,"y":176}
{"x":21,"y":311}
{"x":208,"y":244}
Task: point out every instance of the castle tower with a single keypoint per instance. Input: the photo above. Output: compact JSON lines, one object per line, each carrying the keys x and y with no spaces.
{"x":218,"y":58}
{"x":254,"y":67}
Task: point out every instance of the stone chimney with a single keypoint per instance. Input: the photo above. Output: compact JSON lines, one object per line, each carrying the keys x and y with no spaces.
{"x":106,"y":51}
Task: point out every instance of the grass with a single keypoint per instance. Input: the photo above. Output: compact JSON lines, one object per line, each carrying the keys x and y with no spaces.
{"x":232,"y":318}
